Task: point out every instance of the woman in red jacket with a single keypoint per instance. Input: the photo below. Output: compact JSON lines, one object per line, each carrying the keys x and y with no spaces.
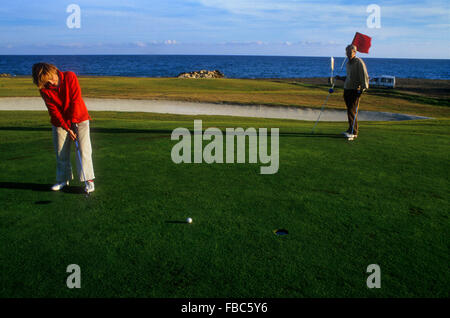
{"x":70,"y":121}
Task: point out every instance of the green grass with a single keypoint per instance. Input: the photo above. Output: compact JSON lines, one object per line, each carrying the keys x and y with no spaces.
{"x":382,"y":199}
{"x":239,"y":91}
{"x":393,"y":93}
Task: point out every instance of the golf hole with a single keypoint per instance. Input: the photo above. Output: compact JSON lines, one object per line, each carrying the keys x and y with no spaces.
{"x":281,"y":232}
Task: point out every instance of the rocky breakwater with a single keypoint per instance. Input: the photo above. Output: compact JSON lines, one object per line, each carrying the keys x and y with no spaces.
{"x":202,"y":74}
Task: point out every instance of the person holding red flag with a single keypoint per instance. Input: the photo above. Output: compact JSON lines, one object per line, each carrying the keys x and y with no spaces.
{"x":70,"y":121}
{"x":356,"y":82}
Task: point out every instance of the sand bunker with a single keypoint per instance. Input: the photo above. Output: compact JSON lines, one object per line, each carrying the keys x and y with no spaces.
{"x":192,"y":108}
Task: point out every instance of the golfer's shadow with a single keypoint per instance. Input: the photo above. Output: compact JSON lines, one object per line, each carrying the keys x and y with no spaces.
{"x":73,"y":190}
{"x":41,"y":187}
{"x":311,"y":135}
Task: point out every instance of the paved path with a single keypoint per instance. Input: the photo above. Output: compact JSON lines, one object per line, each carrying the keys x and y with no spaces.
{"x":192,"y":108}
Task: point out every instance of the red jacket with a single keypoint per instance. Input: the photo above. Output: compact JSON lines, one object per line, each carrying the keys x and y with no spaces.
{"x":64,"y":101}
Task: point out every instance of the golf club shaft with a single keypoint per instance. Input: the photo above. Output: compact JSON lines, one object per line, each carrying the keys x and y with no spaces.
{"x":321,"y":110}
{"x":329,"y":93}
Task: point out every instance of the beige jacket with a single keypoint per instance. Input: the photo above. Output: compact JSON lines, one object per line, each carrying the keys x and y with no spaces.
{"x":357,"y":77}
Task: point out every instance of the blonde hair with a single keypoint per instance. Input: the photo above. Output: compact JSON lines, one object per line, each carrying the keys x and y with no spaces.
{"x":42,"y":72}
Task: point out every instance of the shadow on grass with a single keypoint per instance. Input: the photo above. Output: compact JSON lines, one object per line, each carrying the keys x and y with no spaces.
{"x":168,"y":132}
{"x":26,"y":128}
{"x":43,"y":202}
{"x":73,"y":190}
{"x":39,"y":187}
{"x":176,"y":222}
{"x":97,"y":130}
{"x":311,"y":135}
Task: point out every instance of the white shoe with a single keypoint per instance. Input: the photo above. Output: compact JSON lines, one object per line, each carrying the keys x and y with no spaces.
{"x":89,"y":187}
{"x":347,"y":135}
{"x":59,"y":186}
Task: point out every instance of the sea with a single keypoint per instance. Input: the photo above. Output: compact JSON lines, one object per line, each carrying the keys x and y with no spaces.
{"x":232,"y":66}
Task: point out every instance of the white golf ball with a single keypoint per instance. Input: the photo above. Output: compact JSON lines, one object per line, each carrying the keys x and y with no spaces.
{"x":189,"y":220}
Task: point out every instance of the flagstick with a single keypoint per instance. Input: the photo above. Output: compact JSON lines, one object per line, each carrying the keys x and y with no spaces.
{"x":343,"y":63}
{"x":330,"y":91}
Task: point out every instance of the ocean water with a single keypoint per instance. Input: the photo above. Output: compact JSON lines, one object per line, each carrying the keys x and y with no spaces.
{"x":233,"y":66}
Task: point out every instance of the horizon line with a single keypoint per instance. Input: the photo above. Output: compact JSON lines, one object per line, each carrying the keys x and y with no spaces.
{"x":249,"y":55}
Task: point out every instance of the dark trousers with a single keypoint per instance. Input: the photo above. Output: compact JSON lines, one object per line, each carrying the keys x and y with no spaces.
{"x":351,"y":99}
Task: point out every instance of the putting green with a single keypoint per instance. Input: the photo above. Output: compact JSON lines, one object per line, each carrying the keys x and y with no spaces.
{"x":381,"y":199}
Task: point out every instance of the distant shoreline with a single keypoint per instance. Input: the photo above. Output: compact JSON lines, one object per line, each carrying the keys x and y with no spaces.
{"x":232,"y":66}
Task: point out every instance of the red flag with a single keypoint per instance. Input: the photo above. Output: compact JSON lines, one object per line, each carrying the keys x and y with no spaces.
{"x":362,"y":42}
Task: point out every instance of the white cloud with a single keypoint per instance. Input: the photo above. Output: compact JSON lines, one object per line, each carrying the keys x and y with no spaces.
{"x":71,"y":45}
{"x":439,"y":26}
{"x":329,"y":13}
{"x":110,"y":12}
{"x":286,"y":9}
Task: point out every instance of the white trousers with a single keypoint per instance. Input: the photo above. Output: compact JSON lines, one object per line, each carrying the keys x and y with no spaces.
{"x":63,"y":142}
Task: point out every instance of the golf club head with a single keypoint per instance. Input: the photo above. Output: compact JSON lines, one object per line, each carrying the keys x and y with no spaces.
{"x":350,"y":138}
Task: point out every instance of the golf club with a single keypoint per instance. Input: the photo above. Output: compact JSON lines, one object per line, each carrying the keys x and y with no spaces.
{"x":81,"y":165}
{"x":330,"y":91}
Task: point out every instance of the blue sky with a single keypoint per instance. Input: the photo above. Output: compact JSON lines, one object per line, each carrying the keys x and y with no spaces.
{"x":409,"y":29}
